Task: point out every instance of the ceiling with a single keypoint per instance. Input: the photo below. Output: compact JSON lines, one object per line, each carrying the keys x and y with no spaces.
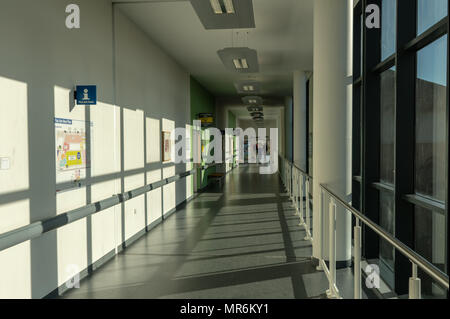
{"x":283,"y":38}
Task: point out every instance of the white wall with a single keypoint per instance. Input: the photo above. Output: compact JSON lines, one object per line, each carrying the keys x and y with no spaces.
{"x":40,"y":63}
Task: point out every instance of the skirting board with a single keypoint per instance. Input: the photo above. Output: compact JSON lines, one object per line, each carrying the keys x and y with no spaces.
{"x":83,"y":274}
{"x":59,"y":291}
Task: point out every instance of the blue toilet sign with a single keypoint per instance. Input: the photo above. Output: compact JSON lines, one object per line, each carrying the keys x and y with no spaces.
{"x":86,"y":94}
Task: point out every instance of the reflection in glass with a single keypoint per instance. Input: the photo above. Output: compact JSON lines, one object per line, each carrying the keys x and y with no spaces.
{"x":431,"y":114}
{"x":429,"y":12}
{"x":388,"y":28}
{"x":387,"y":221}
{"x":430,"y":243}
{"x":387,"y":129}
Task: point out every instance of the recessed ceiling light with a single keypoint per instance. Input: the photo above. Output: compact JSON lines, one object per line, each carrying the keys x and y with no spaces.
{"x":242,"y":59}
{"x":222,"y":6}
{"x":240,"y":63}
{"x":247,"y":87}
{"x":225,"y":14}
{"x":229,"y":6}
{"x":252,"y":100}
{"x":237,"y":63}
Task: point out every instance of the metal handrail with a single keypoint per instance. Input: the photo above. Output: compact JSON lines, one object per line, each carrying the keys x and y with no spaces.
{"x":36,"y":229}
{"x":417,"y":260}
{"x":434,"y":272}
{"x":302,"y":171}
{"x":297,"y":187}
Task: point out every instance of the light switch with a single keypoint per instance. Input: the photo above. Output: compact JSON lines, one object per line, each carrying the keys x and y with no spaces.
{"x":4,"y":163}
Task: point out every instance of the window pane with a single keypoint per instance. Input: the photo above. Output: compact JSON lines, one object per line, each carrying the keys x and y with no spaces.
{"x":387,"y":221}
{"x":430,"y":243}
{"x":431,"y":114}
{"x":387,"y":129}
{"x":388,"y":27}
{"x":429,"y":12}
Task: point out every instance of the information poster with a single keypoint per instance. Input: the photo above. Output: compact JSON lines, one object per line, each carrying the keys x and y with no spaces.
{"x":70,"y":143}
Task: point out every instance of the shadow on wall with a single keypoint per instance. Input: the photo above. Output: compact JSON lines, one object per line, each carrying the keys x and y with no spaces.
{"x":119,"y":145}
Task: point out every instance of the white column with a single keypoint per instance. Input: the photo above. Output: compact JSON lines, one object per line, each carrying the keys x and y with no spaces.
{"x":332,"y":119}
{"x":300,"y":119}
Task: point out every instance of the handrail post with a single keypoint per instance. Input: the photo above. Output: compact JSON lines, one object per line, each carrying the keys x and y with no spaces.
{"x":308,"y":213}
{"x":297,"y":195}
{"x":332,"y":254}
{"x":290,"y":181}
{"x":293,"y":188}
{"x":357,"y":255}
{"x":297,"y":187}
{"x":320,"y":239}
{"x":414,"y":284}
{"x":302,"y":221}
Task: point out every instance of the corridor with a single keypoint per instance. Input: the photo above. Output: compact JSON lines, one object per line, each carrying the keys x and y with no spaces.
{"x":224,"y":149}
{"x":240,"y":242}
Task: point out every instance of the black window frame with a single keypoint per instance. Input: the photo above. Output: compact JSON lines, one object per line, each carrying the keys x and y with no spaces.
{"x":366,"y":184}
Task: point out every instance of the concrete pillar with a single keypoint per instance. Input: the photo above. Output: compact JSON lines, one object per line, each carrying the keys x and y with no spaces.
{"x":332,"y":120}
{"x":300,"y":119}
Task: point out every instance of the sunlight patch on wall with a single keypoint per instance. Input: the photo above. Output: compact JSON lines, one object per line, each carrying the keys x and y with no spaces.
{"x":14,"y":157}
{"x":71,"y":239}
{"x":15,"y":262}
{"x":135,"y":207}
{"x":154,"y":202}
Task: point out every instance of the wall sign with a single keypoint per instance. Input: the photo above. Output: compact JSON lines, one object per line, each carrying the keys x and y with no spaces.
{"x":166,"y":147}
{"x":86,"y":95}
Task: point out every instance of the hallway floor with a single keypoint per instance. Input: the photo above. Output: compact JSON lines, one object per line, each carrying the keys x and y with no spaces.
{"x":239,"y":242}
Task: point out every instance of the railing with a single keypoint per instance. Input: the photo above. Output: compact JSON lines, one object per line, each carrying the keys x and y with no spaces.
{"x":417,"y":261}
{"x":297,"y":183}
{"x":36,"y":229}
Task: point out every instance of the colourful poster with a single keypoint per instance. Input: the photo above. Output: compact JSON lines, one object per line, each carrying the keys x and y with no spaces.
{"x":70,"y":142}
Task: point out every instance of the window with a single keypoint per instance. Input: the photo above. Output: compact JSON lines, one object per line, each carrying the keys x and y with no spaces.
{"x":387,"y":127}
{"x":388,"y":28}
{"x":387,"y":221}
{"x":430,"y":243}
{"x":431,"y":114}
{"x":429,"y":13}
{"x":402,"y":97}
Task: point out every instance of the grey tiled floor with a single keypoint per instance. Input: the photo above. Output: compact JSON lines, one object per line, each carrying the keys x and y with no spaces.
{"x":239,"y":242}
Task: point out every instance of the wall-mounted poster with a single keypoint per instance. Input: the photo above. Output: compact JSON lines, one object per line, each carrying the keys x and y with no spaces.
{"x":166,"y":147}
{"x":70,"y":154}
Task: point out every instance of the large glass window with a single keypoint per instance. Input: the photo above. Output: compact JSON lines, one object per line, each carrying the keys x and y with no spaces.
{"x":387,"y":117}
{"x":387,"y":221}
{"x":387,"y":168}
{"x":388,"y":27}
{"x":431,"y":115}
{"x":409,"y":97}
{"x":430,"y":12}
{"x":430,"y":159}
{"x":430,"y":243}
